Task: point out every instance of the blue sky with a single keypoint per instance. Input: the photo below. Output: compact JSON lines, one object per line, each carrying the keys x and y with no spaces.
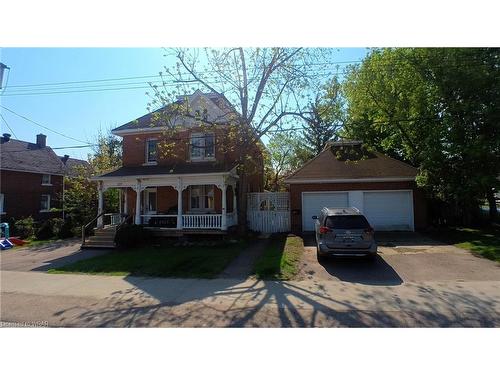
{"x":80,"y":115}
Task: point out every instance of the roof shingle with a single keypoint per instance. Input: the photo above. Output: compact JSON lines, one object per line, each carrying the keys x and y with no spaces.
{"x":358,"y":163}
{"x":174,"y":169}
{"x":219,"y":111}
{"x":29,"y":157}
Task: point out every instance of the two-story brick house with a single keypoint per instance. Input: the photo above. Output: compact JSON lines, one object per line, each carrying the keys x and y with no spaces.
{"x":185,"y":179}
{"x":31,"y":177}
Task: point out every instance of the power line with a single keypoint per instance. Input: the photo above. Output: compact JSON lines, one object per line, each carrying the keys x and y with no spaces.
{"x":61,"y":148}
{"x":29,"y":87}
{"x":43,"y":126}
{"x":6,"y":123}
{"x":87,"y":81}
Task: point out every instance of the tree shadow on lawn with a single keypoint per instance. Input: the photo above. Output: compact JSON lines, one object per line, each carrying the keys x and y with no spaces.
{"x":365,"y":299}
{"x":69,"y":259}
{"x":227,"y":303}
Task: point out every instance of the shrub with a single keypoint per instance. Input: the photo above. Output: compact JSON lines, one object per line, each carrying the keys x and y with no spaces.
{"x":24,"y":228}
{"x":131,"y":235}
{"x":57,"y":223}
{"x":46,"y":230}
{"x":66,"y":230}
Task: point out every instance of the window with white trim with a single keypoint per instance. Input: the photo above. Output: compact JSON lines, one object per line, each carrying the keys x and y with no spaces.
{"x":46,"y":179}
{"x":202,"y":146}
{"x":2,"y":201}
{"x":45,"y":202}
{"x":151,"y":150}
{"x":201,"y":197}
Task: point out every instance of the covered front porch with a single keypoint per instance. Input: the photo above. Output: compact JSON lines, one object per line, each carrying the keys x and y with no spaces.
{"x":203,"y":202}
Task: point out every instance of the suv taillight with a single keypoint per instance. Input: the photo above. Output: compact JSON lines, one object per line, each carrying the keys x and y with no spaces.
{"x":324,"y":230}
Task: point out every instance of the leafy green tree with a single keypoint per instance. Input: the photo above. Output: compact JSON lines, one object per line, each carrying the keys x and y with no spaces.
{"x":325,"y":118}
{"x":284,"y":154}
{"x":437,"y":109}
{"x":81,"y":197}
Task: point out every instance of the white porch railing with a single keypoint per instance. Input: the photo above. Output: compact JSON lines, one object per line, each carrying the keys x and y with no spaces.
{"x":211,"y":221}
{"x":113,"y":219}
{"x":190,"y":221}
{"x":169,"y":221}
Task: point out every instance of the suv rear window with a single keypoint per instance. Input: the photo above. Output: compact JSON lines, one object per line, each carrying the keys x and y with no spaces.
{"x":347,"y":222}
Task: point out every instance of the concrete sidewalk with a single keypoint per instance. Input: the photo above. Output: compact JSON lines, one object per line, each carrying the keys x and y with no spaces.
{"x":89,"y":301}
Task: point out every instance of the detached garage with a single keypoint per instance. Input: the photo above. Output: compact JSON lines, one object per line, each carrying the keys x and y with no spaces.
{"x":345,"y":174}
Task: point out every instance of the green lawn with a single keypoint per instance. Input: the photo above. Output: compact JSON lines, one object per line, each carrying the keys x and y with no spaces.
{"x":484,"y":242}
{"x":187,"y":261}
{"x":280,"y":259}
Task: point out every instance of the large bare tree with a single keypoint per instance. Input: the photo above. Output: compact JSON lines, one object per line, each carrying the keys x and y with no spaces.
{"x":268,"y":89}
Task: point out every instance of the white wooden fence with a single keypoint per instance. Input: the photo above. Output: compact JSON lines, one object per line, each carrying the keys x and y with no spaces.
{"x":269,"y":212}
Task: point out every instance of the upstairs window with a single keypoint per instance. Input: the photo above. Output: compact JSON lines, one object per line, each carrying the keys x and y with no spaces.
{"x":201,"y":115}
{"x":45,"y":202}
{"x":151,"y":150}
{"x":2,"y":200}
{"x":46,"y":179}
{"x":202,"y":146}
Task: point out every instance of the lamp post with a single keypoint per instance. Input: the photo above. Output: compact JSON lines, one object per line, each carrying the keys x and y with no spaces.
{"x":3,"y":67}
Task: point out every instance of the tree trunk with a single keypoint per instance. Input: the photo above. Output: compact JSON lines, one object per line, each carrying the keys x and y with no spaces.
{"x":242,"y":203}
{"x":490,"y":196}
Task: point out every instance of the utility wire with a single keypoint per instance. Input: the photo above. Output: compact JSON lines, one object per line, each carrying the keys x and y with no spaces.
{"x":6,"y":123}
{"x":43,"y":126}
{"x":28,"y":89}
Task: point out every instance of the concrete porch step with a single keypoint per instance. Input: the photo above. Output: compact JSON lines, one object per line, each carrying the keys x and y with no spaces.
{"x":97,"y":246}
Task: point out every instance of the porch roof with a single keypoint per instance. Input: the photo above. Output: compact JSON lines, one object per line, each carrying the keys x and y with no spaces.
{"x":174,"y":169}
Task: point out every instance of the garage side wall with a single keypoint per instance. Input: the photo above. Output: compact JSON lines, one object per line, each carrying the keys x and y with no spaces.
{"x":296,"y":190}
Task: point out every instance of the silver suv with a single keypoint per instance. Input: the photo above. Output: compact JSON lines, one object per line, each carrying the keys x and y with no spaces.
{"x":344,"y":232}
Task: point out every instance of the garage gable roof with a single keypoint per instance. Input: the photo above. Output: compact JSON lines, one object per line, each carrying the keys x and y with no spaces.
{"x":334,"y":166}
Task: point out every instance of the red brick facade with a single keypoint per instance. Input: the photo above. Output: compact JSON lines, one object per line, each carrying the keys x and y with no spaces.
{"x":419,"y":203}
{"x":23,"y":194}
{"x":134,"y":154}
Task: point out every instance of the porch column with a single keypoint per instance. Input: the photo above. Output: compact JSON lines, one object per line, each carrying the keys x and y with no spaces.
{"x":224,"y":208}
{"x":138,"y":190}
{"x":179,"y":189}
{"x":100,"y":207}
{"x":120,"y":205}
{"x":125,"y":202}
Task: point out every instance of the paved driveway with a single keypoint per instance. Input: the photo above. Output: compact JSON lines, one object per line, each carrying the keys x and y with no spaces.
{"x":45,"y":257}
{"x":403,"y":257}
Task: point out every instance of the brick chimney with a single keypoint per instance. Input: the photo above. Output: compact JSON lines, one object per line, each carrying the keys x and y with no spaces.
{"x":65,"y":158}
{"x":5,"y":137}
{"x":41,"y":140}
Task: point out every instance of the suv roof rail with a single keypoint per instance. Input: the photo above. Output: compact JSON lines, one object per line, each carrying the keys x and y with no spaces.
{"x":341,"y":210}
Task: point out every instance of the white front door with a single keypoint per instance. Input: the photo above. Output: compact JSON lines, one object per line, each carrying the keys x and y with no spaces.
{"x":150,"y":201}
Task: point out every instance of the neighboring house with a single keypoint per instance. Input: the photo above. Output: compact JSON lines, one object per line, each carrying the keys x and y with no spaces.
{"x":346,"y":175}
{"x":32,"y":179}
{"x":74,"y":167}
{"x":192,"y":183}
